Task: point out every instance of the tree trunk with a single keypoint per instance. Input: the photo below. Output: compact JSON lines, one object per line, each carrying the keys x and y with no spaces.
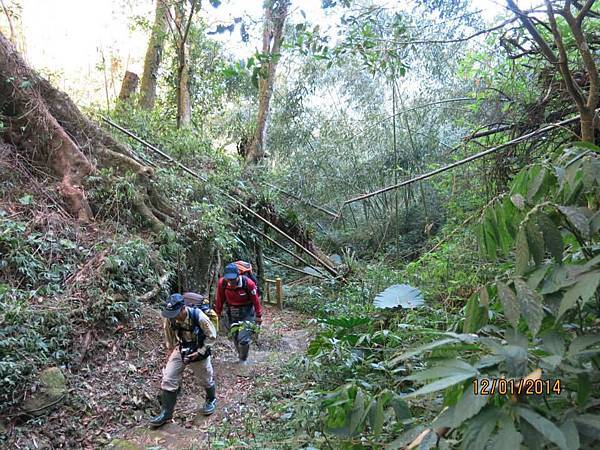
{"x":275,"y":15}
{"x":153,"y":57}
{"x":587,"y":125}
{"x":184,"y":103}
{"x":129,"y":85}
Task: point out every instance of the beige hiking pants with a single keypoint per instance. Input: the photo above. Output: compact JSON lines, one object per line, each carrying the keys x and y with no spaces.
{"x":173,"y":372}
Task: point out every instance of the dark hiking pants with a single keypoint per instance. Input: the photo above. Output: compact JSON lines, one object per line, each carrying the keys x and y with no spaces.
{"x":241,"y":314}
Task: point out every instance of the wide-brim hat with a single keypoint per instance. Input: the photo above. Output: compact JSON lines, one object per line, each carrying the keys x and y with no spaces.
{"x":173,"y":306}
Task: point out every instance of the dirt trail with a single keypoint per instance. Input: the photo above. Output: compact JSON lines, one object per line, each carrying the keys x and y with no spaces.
{"x":284,"y":334}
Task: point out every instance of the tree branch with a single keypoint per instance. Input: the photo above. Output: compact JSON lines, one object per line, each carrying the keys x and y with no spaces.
{"x":585,"y":9}
{"x":563,"y":61}
{"x":450,"y":41}
{"x":584,"y":51}
{"x":189,"y":21}
{"x":529,"y":26}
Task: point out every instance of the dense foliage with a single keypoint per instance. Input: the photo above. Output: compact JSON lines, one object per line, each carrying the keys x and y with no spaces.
{"x":465,"y":313}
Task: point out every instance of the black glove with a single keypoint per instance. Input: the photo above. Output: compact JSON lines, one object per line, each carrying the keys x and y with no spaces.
{"x":203,"y":353}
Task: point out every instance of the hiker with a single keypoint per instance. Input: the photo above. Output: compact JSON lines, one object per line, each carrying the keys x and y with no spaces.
{"x":189,"y":336}
{"x":238,"y":295}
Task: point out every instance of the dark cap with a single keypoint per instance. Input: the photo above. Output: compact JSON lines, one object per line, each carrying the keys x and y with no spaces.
{"x":231,"y":272}
{"x":173,"y":306}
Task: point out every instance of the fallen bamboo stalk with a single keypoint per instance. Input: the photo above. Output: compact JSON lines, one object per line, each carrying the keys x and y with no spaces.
{"x":274,"y":261}
{"x":327,"y":267}
{"x":278,"y":245}
{"x":461,"y":162}
{"x":300,"y":199}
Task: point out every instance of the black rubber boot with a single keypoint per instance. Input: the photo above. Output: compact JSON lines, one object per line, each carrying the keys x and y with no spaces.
{"x":169,"y":399}
{"x":211,"y":401}
{"x":243,"y":350}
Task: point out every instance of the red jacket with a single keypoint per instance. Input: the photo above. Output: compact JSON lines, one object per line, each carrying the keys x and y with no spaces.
{"x":238,"y":295}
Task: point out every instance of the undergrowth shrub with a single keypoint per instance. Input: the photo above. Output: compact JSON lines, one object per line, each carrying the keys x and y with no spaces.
{"x":47,"y":295}
{"x":29,"y":338}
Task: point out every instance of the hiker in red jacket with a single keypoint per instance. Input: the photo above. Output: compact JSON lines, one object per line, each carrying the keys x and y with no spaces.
{"x":239,"y":296}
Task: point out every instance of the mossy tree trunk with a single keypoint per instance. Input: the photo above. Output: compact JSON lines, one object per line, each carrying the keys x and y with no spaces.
{"x":153,"y":58}
{"x":275,"y":14}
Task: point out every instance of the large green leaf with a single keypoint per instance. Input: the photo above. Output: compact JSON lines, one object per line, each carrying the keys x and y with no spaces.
{"x":588,"y":424}
{"x":476,"y":316}
{"x":511,"y":217}
{"x":562,"y":276}
{"x":580,"y":343}
{"x":583,"y":289}
{"x":535,"y":241}
{"x":553,"y":343}
{"x":400,"y":408}
{"x":503,"y":231}
{"x":591,"y":173}
{"x":492,"y":239}
{"x":508,"y":438}
{"x":584,"y":388}
{"x":536,"y":183}
{"x":454,"y":371}
{"x":531,"y":305}
{"x":452,"y":339}
{"x":595,"y":223}
{"x":578,"y":217}
{"x":357,"y":414}
{"x":536,"y":277}
{"x":550,"y":431}
{"x":445,"y":368}
{"x":441,"y":384}
{"x":516,"y":360}
{"x":552,"y":237}
{"x":510,"y":305}
{"x":522,"y":252}
{"x":399,"y":295}
{"x":467,"y":406}
{"x":571,"y":434}
{"x":376,"y":416}
{"x":480,"y":428}
{"x":533,"y":439}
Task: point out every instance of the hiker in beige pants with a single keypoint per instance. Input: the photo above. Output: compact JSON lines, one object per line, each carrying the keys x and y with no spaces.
{"x":173,"y":372}
{"x":189,"y":335}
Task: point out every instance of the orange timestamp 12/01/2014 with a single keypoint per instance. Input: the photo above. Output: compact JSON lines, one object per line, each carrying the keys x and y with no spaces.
{"x":525,"y":386}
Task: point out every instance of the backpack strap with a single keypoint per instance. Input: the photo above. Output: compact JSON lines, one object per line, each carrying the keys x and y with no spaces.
{"x":195,"y":317}
{"x":245,"y":282}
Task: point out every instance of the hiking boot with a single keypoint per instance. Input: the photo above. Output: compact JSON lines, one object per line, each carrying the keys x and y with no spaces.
{"x":169,"y":399}
{"x":211,"y":401}
{"x":243,"y":350}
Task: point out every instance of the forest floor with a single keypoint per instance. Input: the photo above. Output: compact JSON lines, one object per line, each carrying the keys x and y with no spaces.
{"x":284,"y":334}
{"x":113,"y":391}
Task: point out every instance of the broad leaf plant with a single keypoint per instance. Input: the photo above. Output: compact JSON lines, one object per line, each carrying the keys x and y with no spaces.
{"x":537,"y":322}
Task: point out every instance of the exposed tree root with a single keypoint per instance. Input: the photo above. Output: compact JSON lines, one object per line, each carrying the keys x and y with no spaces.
{"x":49,"y":130}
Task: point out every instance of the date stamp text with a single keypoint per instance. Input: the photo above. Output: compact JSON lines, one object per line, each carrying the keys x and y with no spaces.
{"x":503,"y":386}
